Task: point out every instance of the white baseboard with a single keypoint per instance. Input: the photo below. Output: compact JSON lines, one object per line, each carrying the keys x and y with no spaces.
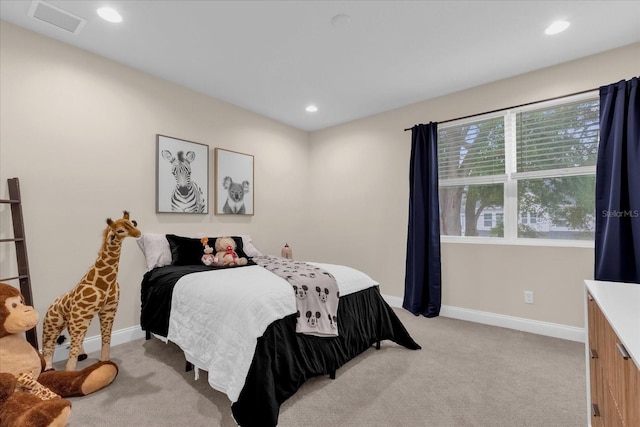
{"x":94,"y":343}
{"x":555,"y":330}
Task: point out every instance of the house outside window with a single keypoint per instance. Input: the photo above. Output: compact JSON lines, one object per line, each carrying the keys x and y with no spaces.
{"x":530,"y":168}
{"x":488,"y":220}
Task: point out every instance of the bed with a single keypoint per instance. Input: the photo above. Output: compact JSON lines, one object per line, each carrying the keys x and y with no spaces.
{"x":239,"y":323}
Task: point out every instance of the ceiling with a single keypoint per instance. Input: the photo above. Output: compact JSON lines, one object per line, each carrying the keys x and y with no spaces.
{"x":276,"y":57}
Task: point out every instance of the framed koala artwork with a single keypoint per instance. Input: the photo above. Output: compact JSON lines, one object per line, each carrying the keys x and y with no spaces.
{"x":233,"y":183}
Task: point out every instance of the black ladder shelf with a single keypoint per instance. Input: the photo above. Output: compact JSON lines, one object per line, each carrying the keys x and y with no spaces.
{"x":21,"y":251}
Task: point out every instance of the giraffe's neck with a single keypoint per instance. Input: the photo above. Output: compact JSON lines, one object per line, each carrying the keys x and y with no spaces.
{"x":106,"y":266}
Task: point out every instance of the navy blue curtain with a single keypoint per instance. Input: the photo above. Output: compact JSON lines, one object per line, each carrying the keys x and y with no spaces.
{"x":617,"y":238}
{"x":422,"y":284}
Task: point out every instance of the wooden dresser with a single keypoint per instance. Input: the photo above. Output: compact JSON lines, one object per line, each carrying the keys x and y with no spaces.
{"x":612,"y":347}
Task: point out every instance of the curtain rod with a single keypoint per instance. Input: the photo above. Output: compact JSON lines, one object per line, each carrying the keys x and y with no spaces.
{"x":515,"y":106}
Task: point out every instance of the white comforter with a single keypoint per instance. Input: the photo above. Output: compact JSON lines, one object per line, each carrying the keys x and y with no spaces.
{"x":217,"y":316}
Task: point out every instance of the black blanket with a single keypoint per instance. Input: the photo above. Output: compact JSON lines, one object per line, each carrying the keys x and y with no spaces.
{"x":284,"y":359}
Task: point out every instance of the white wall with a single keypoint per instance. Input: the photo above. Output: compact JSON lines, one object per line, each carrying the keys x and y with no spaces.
{"x":79,"y":131}
{"x":359,"y":174}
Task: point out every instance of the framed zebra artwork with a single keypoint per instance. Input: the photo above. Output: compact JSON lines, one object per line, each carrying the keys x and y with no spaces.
{"x":182,"y":176}
{"x":234,"y":187}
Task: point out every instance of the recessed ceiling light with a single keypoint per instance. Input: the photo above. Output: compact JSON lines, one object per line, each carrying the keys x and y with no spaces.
{"x":557,"y":27}
{"x":109,"y":14}
{"x":311,"y":108}
{"x":341,"y":21}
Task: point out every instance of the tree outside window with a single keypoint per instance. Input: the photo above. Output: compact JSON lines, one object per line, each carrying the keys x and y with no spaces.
{"x":543,"y":157}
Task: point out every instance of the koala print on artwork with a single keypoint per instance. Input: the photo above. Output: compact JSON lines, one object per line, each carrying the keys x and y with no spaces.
{"x":235,"y":196}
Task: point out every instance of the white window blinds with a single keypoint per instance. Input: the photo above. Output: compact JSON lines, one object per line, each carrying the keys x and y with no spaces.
{"x":472,"y":150}
{"x":557,"y":140}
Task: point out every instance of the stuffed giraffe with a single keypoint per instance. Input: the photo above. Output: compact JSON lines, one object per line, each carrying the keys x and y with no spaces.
{"x":97,"y":293}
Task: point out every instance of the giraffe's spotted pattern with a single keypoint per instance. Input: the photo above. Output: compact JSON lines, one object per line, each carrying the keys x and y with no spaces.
{"x":28,"y":384}
{"x":97,"y":293}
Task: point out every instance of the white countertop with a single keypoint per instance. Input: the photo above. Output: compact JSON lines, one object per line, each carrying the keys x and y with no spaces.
{"x":620,"y":304}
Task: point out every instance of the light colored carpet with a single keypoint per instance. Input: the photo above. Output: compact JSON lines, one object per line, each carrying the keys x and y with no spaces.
{"x":466,"y":374}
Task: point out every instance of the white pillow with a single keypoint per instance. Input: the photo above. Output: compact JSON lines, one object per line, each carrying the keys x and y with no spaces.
{"x":156,"y":250}
{"x":247,"y":246}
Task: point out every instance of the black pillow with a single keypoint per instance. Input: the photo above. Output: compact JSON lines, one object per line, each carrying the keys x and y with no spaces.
{"x":189,"y":251}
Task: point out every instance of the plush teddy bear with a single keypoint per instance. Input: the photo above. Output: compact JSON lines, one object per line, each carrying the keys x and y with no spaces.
{"x":208,"y":258}
{"x":226,"y":254}
{"x":28,"y":396}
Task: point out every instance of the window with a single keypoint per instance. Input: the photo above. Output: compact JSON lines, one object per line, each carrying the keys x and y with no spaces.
{"x":488,"y":220}
{"x":532,"y":167}
{"x":466,"y":199}
{"x":471,"y":166}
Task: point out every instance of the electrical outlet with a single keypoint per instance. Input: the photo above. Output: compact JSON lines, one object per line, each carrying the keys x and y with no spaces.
{"x":528,"y":297}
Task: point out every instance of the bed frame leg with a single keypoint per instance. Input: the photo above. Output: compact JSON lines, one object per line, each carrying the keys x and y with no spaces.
{"x":332,"y":374}
{"x":378,"y":345}
{"x":188,"y":367}
{"x":147,"y":335}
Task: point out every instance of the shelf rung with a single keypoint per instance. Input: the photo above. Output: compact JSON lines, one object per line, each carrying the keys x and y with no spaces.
{"x":19,"y":239}
{"x":12,"y":201}
{"x":14,"y":278}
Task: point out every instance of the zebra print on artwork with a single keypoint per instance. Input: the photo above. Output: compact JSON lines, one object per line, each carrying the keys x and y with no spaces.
{"x":187,"y":195}
{"x":191,"y":202}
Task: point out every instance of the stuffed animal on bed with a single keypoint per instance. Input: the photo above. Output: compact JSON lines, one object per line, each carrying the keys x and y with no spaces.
{"x":208,"y":258}
{"x":28,"y":396}
{"x":227,"y":256}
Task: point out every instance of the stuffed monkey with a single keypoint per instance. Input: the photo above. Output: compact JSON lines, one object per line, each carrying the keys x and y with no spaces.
{"x":28,"y":396}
